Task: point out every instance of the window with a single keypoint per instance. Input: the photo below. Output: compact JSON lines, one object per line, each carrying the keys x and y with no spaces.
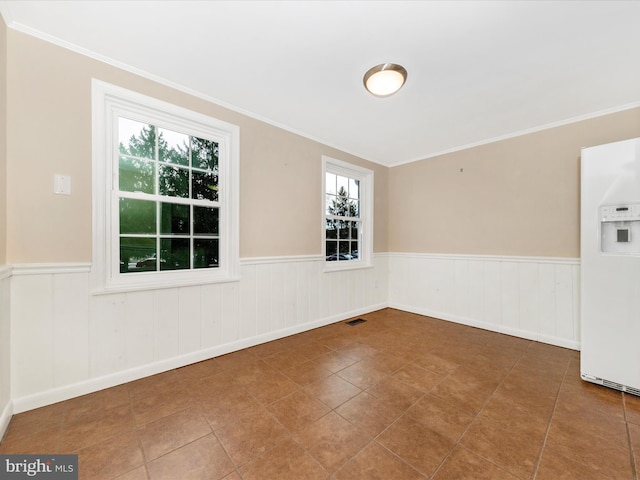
{"x":348,"y":215}
{"x":165,"y":193}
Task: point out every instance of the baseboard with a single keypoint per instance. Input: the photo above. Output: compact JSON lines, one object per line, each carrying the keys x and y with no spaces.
{"x":5,"y":418}
{"x":515,"y":332}
{"x":48,"y":397}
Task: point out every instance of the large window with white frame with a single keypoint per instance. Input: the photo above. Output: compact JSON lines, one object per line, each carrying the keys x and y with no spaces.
{"x":165,"y":193}
{"x":348,"y":215}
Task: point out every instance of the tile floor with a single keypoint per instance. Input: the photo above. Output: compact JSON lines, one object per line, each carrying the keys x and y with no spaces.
{"x":399,"y":397}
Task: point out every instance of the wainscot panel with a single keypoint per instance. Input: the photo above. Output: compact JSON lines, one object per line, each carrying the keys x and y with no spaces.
{"x":529,"y":297}
{"x":67,"y":342}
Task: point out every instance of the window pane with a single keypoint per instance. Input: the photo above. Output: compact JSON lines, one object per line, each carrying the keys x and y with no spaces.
{"x":205,"y":253}
{"x":204,"y":154}
{"x":330,"y":181}
{"x":344,"y":248}
{"x":354,"y":250}
{"x":331,"y":250}
{"x":204,"y":186}
{"x":354,"y":230}
{"x":332,"y":229}
{"x":354,"y":189}
{"x":205,"y":221}
{"x":173,"y":147}
{"x":137,"y":254}
{"x":174,"y":253}
{"x":343,"y":231}
{"x":174,"y":181}
{"x":342,"y":184}
{"x":137,"y":216}
{"x":137,"y":175}
{"x":174,"y":219}
{"x":136,"y":138}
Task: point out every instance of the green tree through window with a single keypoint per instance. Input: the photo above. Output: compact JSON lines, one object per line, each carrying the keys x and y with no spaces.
{"x":168,"y":199}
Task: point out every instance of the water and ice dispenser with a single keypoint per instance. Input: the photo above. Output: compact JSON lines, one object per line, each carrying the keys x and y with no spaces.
{"x":620,"y":229}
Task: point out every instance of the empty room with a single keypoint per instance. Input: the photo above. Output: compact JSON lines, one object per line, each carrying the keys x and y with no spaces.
{"x":299,"y":240}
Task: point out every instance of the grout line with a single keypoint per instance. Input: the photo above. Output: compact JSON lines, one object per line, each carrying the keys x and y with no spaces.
{"x":632,"y":453}
{"x":553,"y":412}
{"x":457,"y":442}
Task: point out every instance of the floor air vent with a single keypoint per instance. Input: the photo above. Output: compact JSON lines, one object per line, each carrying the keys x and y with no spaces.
{"x":357,"y":321}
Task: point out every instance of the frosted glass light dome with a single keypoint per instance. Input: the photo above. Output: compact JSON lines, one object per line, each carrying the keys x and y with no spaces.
{"x":385,"y":79}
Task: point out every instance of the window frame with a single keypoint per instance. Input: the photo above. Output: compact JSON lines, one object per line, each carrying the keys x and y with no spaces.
{"x":365,"y":242}
{"x":109,"y":102}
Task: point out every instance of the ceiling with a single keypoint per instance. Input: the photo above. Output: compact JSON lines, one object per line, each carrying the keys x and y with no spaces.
{"x":478,"y":70}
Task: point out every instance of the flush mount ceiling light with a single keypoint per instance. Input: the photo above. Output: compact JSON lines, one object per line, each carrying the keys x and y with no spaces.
{"x":385,"y":79}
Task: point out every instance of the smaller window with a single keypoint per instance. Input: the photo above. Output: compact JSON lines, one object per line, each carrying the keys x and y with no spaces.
{"x":347,"y":215}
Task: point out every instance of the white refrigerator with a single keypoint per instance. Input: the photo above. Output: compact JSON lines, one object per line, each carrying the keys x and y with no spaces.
{"x":610,"y":265}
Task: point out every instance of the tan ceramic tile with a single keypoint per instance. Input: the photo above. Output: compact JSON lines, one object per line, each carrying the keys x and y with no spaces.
{"x":435,"y":363}
{"x":358,"y":350}
{"x":632,"y":408}
{"x":209,"y":387}
{"x":440,"y":416}
{"x":251,"y":436}
{"x":555,"y":466}
{"x":466,"y":389}
{"x":419,"y":377}
{"x":396,"y":393}
{"x":227,"y":407}
{"x":284,"y":360}
{"x":511,"y":440}
{"x":375,"y":462}
{"x":200,"y":370}
{"x":287,"y":461}
{"x":588,"y":397}
{"x":634,"y":438}
{"x":298,"y":410}
{"x":332,"y":440}
{"x":249,"y":373}
{"x":171,"y":432}
{"x":462,"y":464}
{"x":271,"y":387}
{"x":204,"y":459}
{"x":155,"y":384}
{"x":332,"y":391}
{"x":139,"y":473}
{"x":39,"y":442}
{"x":306,"y":372}
{"x":311,"y":350}
{"x":335,"y":361}
{"x":81,"y":432}
{"x":110,"y":458}
{"x":363,"y":374}
{"x":368,"y":413}
{"x":422,"y":448}
{"x":42,"y":419}
{"x":96,"y":403}
{"x":147,"y":408}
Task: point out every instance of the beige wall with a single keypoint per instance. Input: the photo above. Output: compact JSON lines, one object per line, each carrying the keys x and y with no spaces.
{"x":49,"y":131}
{"x":514,"y":197}
{"x":3,"y":142}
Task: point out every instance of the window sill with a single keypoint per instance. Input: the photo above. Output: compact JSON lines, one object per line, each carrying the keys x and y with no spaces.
{"x":162,"y":284}
{"x":330,"y":267}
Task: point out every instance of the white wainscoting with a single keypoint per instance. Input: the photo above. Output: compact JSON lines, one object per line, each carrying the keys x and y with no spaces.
{"x":6,"y":406}
{"x":529,"y":297}
{"x":67,"y":342}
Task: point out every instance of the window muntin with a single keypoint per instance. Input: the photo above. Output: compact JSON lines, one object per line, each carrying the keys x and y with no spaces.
{"x":348,"y":215}
{"x":165,"y":194}
{"x":168,"y":193}
{"x":343,"y":224}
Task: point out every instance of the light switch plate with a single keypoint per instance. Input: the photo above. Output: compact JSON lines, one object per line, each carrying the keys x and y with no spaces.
{"x":62,"y":184}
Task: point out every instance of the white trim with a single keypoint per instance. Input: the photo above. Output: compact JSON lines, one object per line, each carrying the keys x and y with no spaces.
{"x":54,"y":395}
{"x":365,"y":245}
{"x":6,"y":8}
{"x":489,"y":258}
{"x":5,"y":418}
{"x":283,"y":259}
{"x":521,"y":133}
{"x":109,"y":102}
{"x":50,"y":268}
{"x":5,"y":271}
